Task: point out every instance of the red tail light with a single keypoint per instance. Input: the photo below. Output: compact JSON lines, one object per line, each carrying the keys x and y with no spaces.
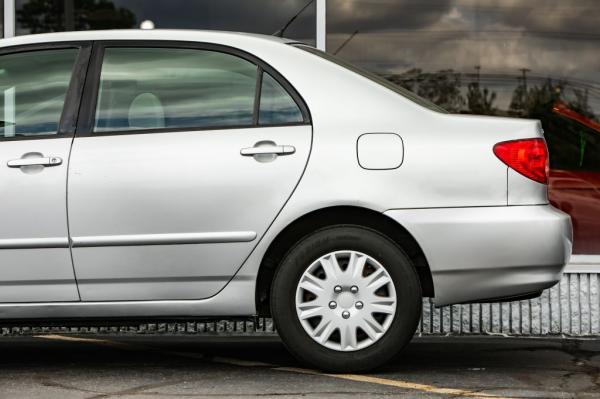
{"x":529,"y":157}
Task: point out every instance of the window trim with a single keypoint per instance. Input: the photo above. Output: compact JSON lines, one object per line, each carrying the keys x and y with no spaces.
{"x":73,"y":97}
{"x":87,"y":114}
{"x":257,"y":95}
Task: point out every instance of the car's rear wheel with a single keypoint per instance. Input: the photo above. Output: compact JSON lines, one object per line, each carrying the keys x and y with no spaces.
{"x":346,"y":299}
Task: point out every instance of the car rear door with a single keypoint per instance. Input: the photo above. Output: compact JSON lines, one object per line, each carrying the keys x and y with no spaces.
{"x":40,"y":90}
{"x":183,"y":157}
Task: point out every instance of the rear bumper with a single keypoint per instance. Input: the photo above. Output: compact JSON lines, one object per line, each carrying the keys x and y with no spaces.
{"x":490,"y":252}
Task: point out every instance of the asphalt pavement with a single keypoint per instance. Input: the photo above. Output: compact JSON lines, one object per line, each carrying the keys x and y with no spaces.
{"x":184,"y":366}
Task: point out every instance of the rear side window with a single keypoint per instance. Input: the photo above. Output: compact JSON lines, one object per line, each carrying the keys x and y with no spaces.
{"x":276,"y":105}
{"x":166,"y":88}
{"x":33,"y":87}
{"x":150,"y":88}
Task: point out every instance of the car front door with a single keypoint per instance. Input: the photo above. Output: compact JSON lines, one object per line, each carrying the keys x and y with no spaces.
{"x":40,"y":88}
{"x":187,"y":156}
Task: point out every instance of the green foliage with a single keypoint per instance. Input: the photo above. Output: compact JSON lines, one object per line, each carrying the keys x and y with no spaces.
{"x":38,"y":16}
{"x":480,"y":101}
{"x":442,"y":87}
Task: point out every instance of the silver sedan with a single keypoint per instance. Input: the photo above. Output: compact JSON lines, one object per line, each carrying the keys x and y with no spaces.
{"x":153,"y":174}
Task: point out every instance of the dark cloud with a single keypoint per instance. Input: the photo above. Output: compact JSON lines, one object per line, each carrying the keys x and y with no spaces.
{"x":257,"y":16}
{"x":543,"y":17}
{"x":552,"y":39}
{"x":575,"y":18}
{"x":346,"y":16}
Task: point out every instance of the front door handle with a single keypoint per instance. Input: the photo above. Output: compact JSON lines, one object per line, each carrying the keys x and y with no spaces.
{"x":44,"y":161}
{"x":268,"y":150}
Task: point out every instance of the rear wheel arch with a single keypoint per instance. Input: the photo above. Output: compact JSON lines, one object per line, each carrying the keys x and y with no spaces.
{"x":346,"y":215}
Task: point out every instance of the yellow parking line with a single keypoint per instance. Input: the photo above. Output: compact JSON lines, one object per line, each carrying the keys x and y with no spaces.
{"x":132,"y":346}
{"x":425,"y":388}
{"x":397,"y":383}
{"x":105,"y":342}
{"x":415,"y":386}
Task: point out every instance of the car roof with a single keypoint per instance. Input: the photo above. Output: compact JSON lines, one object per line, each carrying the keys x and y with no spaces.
{"x":210,"y":36}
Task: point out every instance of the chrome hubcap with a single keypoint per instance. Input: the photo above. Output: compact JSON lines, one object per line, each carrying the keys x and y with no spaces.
{"x":346,"y":300}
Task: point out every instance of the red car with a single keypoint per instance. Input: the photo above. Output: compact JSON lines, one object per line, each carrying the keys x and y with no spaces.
{"x":577,"y":192}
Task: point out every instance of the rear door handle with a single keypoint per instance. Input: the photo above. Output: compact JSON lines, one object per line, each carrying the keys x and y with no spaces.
{"x":44,"y":161}
{"x":268,"y":150}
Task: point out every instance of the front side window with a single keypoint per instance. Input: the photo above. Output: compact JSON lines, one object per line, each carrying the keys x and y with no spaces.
{"x":33,"y":87}
{"x":172,"y":88}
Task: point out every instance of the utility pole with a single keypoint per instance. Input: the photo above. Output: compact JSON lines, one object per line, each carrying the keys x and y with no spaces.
{"x":69,"y":15}
{"x":524,"y":73}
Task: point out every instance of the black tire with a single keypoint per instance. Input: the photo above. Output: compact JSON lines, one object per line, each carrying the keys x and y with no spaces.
{"x":369,"y":242}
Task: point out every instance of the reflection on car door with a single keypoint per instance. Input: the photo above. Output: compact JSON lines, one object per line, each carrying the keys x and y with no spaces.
{"x":35,"y":86}
{"x":180,"y":171}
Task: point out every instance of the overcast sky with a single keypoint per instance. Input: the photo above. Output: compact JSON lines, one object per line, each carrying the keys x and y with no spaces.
{"x":558,"y":39}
